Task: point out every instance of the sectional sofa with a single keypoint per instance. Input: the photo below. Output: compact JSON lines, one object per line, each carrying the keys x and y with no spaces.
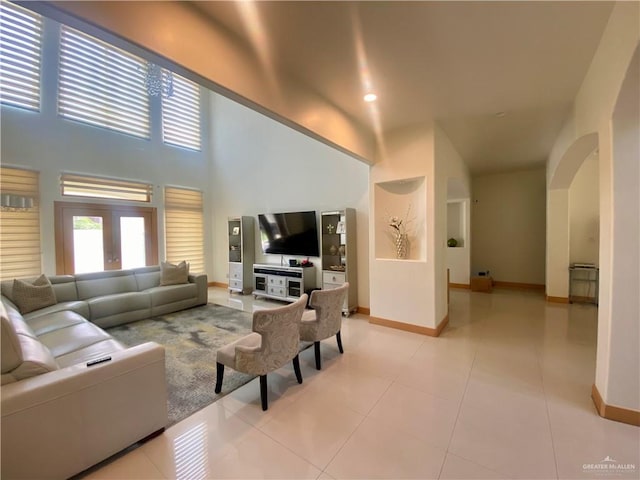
{"x":61,"y":414}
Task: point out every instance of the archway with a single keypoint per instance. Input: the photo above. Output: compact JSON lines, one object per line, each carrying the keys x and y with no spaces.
{"x":559,"y":216}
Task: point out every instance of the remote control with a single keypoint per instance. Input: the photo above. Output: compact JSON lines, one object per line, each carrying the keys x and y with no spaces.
{"x":91,"y":363}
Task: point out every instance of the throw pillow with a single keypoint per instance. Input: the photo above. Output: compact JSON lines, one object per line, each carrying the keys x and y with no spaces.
{"x":33,"y":296}
{"x":171,"y":274}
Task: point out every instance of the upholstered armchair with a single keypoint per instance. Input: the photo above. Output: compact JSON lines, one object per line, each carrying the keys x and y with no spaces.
{"x":325,"y":319}
{"x":275,"y":340}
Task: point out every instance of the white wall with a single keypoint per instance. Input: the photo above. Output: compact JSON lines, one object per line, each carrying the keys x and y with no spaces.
{"x":405,"y":290}
{"x":616,"y":363}
{"x":508,"y":226}
{"x":584,"y":213}
{"x":261,"y":166}
{"x":623,"y":388}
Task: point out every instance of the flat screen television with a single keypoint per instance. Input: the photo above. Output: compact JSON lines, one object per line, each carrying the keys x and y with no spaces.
{"x":292,"y":233}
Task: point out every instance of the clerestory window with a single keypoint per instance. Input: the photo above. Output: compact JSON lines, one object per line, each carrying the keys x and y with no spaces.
{"x":102,"y":85}
{"x":20,"y":54}
{"x":181,"y":115}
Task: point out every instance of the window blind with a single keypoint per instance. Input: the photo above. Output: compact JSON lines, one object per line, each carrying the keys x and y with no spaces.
{"x":98,"y":187}
{"x":184,"y":231}
{"x":20,"y":47}
{"x":101,"y":85}
{"x":19,"y":224}
{"x":181,"y":115}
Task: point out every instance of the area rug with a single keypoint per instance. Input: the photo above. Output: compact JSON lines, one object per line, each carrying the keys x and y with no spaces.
{"x":191,"y":338}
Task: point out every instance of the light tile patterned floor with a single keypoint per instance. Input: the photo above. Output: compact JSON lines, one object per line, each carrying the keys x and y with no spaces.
{"x":503,"y":393}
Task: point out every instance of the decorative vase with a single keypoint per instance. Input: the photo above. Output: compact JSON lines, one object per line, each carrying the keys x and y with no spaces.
{"x":402,"y":245}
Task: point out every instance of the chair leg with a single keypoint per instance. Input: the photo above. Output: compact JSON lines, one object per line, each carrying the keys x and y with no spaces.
{"x":219,"y":375}
{"x":263,"y":391}
{"x":316,"y":348}
{"x":339,"y":339}
{"x":296,"y":368}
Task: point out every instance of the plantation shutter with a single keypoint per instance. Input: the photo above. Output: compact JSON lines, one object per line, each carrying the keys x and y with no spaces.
{"x":19,"y":224}
{"x":98,"y":187}
{"x":20,"y":46}
{"x":181,"y":115}
{"x":102,"y":85}
{"x":184,"y":231}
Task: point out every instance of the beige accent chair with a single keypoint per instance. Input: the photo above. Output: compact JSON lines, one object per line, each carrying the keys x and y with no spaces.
{"x":275,"y":340}
{"x":325,"y":319}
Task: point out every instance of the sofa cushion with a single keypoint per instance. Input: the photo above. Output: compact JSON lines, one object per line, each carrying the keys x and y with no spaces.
{"x":172,"y":293}
{"x":79,"y":306}
{"x":54,"y":321}
{"x":147,"y":277}
{"x":65,"y":287}
{"x":72,"y":338}
{"x":33,"y":296}
{"x":171,"y":274}
{"x":23,"y":355}
{"x":109,"y":305}
{"x":98,"y":284}
{"x":10,"y":344}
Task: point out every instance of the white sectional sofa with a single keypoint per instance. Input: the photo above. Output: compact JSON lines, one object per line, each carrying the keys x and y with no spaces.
{"x":60,"y":415}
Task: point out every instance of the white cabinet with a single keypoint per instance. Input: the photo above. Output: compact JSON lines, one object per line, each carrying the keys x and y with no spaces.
{"x":339,"y":254}
{"x":282,"y":283}
{"x":241,"y":253}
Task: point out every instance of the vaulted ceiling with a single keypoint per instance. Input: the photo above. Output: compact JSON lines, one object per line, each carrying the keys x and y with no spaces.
{"x":460,"y":63}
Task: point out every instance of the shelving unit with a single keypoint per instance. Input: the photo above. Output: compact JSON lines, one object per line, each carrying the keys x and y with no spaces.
{"x":339,"y":254}
{"x":241,"y":254}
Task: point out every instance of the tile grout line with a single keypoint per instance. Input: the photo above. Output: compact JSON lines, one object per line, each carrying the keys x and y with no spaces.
{"x":455,"y":423}
{"x":546,"y":404}
{"x":357,"y":427}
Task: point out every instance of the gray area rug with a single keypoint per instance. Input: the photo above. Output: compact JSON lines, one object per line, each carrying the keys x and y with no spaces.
{"x":191,"y":338}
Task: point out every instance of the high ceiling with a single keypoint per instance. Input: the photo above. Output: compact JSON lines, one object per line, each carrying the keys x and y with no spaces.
{"x":459,"y":63}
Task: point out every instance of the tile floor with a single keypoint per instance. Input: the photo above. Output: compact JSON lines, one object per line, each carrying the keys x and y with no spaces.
{"x":503,"y":393}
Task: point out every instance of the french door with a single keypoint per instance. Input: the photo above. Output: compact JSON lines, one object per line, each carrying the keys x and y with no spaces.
{"x":97,"y":237}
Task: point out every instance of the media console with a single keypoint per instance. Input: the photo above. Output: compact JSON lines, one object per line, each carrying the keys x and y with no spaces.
{"x":282,"y":283}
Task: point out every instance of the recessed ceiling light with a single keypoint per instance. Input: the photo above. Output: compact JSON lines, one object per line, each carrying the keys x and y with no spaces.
{"x":370,"y":97}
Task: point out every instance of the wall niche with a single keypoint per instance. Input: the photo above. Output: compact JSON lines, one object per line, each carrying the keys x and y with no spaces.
{"x":404,"y":199}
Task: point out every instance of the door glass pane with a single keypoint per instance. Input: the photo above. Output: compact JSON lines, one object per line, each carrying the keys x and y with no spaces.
{"x":87,"y":244}
{"x":132,"y":242}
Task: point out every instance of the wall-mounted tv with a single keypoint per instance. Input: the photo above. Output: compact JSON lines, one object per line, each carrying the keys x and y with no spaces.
{"x":292,"y":233}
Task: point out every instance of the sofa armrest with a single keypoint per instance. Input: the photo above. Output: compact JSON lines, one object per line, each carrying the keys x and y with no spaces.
{"x":200,"y":279}
{"x":86,"y":413}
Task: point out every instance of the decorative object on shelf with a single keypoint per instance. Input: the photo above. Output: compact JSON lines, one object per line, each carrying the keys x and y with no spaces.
{"x":402,"y":245}
{"x":452,"y":242}
{"x":14,"y":203}
{"x":157,"y":80}
{"x":235,"y":231}
{"x":339,"y":254}
{"x":400,"y":236}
